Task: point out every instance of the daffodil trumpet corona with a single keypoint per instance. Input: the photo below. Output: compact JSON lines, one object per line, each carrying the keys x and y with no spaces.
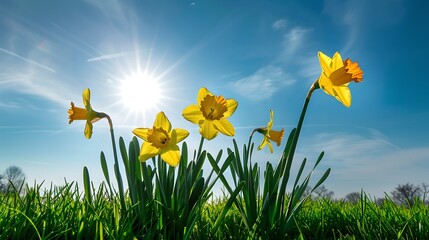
{"x":336,"y":75}
{"x":87,"y":114}
{"x":162,"y":140}
{"x":269,"y":134}
{"x":211,"y":113}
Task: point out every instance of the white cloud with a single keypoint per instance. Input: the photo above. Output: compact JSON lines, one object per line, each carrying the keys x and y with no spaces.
{"x":112,"y":8}
{"x":27,"y":60}
{"x":30,"y":70}
{"x":360,"y":15}
{"x":269,"y":79}
{"x":41,"y":85}
{"x":309,"y":67}
{"x":106,"y":57}
{"x":9,"y":105}
{"x":294,"y":40}
{"x":279,"y":24}
{"x":368,"y":161}
{"x":263,"y":83}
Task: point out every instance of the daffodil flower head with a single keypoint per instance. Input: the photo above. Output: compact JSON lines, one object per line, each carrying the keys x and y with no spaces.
{"x":162,"y":140}
{"x":336,"y":75}
{"x":270,"y":134}
{"x":211,"y":113}
{"x":87,"y":113}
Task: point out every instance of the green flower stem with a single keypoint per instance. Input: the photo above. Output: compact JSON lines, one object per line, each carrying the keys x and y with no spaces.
{"x":247,"y":152}
{"x":250,"y":139}
{"x":290,"y":156}
{"x":313,"y":87}
{"x":200,"y":148}
{"x":116,"y":166}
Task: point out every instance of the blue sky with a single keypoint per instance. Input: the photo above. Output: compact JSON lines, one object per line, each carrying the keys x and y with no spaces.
{"x":261,"y":53}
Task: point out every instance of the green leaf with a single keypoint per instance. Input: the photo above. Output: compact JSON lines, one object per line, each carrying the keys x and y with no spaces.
{"x":228,"y":205}
{"x":87,"y":185}
{"x":196,"y":192}
{"x":323,"y":178}
{"x":301,"y":169}
{"x":104,"y":167}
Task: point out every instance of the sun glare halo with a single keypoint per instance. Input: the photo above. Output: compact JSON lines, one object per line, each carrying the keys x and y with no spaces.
{"x":140,"y":92}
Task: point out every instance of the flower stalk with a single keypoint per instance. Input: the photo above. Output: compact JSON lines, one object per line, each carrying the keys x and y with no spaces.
{"x":116,"y":165}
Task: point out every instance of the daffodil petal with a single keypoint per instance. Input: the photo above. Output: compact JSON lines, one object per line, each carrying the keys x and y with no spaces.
{"x":86,"y":97}
{"x":180,"y":134}
{"x":224,"y":126}
{"x":270,"y":123}
{"x":325,"y":63}
{"x":270,"y":146}
{"x":202,"y":94}
{"x":208,"y":130}
{"x":336,"y":62}
{"x":88,"y":129}
{"x":148,"y":151}
{"x":141,"y":133}
{"x":172,"y":156}
{"x":162,"y":121}
{"x":193,"y":114}
{"x":231,"y":106}
{"x":342,"y":94}
{"x":263,"y":143}
{"x":326,"y":85}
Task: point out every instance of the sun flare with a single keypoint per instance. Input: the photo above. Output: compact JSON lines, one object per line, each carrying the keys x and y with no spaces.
{"x":140,"y":92}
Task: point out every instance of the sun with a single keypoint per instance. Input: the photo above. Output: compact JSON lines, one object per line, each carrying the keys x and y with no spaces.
{"x":140,"y":92}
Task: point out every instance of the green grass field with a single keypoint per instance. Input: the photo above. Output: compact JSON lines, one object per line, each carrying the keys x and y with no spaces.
{"x":64,"y":213}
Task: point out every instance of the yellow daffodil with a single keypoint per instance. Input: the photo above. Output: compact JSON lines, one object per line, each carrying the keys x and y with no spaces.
{"x":161,"y":140}
{"x":211,"y":114}
{"x":269,"y":134}
{"x":87,"y":113}
{"x":336,"y":75}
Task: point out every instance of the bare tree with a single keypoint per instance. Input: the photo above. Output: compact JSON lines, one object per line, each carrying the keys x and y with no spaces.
{"x":323,"y":192}
{"x":406,"y":194}
{"x":13,"y":178}
{"x":425,"y":191}
{"x":380,"y":201}
{"x":353,"y":197}
{"x":2,"y":184}
{"x":307,"y":191}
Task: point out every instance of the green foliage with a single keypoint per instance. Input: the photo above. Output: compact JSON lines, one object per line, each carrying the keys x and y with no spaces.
{"x":162,"y":201}
{"x":64,"y":213}
{"x":270,"y":214}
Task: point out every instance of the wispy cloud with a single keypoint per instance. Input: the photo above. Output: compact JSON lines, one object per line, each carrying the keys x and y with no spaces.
{"x":40,"y":85}
{"x":361,"y":16}
{"x":27,"y":60}
{"x":294,"y":40}
{"x":107,"y":57}
{"x":9,"y":105}
{"x":41,"y":163}
{"x":117,"y":55}
{"x":343,"y":146}
{"x":27,"y":70}
{"x":263,"y":83}
{"x":112,"y":8}
{"x":269,"y":79}
{"x":309,"y":67}
{"x":360,"y":160}
{"x":279,"y":24}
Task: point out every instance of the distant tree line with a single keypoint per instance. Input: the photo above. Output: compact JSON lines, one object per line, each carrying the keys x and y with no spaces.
{"x":404,"y":194}
{"x":12,"y":180}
